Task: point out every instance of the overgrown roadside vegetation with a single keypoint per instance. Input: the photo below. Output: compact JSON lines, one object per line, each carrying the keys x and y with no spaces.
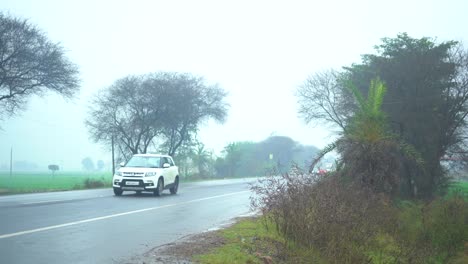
{"x":46,"y":182}
{"x":351,"y":225}
{"x":350,"y":232}
{"x":390,"y":198}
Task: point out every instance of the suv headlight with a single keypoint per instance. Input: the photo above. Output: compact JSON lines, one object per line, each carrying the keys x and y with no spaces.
{"x":118,"y":173}
{"x":150,"y":174}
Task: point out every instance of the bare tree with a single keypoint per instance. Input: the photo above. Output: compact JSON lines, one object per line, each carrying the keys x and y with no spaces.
{"x":190,"y":102}
{"x":455,"y":109}
{"x":138,"y":110}
{"x":126,"y":112}
{"x":320,"y":98}
{"x":30,"y":64}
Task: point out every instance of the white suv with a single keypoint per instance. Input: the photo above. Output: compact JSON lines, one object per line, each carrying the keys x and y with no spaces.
{"x":147,"y":172}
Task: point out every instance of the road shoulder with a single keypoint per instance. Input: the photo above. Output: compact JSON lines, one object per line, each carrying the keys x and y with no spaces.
{"x":182,"y":250}
{"x":247,"y":240}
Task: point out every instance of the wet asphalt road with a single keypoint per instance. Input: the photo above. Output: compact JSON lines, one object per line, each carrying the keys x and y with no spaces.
{"x":94,"y":226}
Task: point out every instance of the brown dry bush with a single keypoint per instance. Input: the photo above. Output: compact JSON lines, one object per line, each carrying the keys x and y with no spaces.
{"x":323,"y":212}
{"x":349,"y":223}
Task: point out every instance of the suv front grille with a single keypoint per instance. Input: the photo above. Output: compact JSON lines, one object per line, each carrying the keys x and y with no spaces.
{"x":133,"y":174}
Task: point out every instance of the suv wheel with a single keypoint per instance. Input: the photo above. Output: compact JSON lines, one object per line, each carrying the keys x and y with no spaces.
{"x":160,"y":187}
{"x":174,"y":188}
{"x":118,"y":191}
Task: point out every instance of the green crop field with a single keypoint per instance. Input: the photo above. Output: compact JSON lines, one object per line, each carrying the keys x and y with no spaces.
{"x":463,"y":186}
{"x":24,"y":182}
{"x":459,"y":187}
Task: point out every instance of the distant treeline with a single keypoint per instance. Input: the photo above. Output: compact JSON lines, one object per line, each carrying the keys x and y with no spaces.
{"x":246,"y":158}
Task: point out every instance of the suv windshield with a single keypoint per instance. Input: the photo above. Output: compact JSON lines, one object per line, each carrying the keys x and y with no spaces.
{"x":146,"y":162}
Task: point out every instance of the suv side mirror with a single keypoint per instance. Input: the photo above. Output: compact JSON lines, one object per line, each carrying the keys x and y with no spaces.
{"x":122,"y":164}
{"x":166,"y":165}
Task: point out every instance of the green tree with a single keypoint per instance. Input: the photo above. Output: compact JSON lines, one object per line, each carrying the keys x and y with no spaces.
{"x":232,"y":157}
{"x":183,"y":158}
{"x":221,"y":167}
{"x":87,"y":164}
{"x":239,"y":160}
{"x":282,"y":150}
{"x":202,"y":159}
{"x":425,"y":103}
{"x":53,"y":168}
{"x":243,"y":159}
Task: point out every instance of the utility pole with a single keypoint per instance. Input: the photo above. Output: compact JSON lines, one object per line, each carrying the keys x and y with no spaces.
{"x":11,"y":161}
{"x":113,"y":162}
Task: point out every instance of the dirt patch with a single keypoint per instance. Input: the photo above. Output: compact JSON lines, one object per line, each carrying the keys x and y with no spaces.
{"x":181,"y":251}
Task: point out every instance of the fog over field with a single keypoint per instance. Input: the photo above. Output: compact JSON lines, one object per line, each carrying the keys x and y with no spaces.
{"x":258,"y":51}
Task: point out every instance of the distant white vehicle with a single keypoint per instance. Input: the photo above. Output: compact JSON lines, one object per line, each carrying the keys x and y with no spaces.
{"x":147,"y":172}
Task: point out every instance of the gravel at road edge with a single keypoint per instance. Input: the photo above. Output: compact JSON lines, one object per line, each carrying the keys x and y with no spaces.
{"x":180,"y":251}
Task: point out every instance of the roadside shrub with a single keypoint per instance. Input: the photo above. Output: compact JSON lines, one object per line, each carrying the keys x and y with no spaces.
{"x":336,"y":218}
{"x":432,"y":232}
{"x":92,"y":183}
{"x":446,"y":221}
{"x":411,"y":235}
{"x":348,"y":223}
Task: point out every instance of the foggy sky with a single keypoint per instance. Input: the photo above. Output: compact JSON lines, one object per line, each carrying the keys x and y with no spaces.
{"x":259,"y":51}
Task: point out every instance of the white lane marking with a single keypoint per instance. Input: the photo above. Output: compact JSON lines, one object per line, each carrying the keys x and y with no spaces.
{"x":115,"y":215}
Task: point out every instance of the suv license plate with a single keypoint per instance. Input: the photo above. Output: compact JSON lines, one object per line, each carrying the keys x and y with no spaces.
{"x":133,"y":183}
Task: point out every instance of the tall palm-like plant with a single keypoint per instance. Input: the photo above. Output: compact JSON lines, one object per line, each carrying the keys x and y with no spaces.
{"x":369,"y":122}
{"x":370,"y":155}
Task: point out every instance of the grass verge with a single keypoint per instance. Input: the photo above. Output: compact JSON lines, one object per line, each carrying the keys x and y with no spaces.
{"x":255,"y":240}
{"x":46,"y":182}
